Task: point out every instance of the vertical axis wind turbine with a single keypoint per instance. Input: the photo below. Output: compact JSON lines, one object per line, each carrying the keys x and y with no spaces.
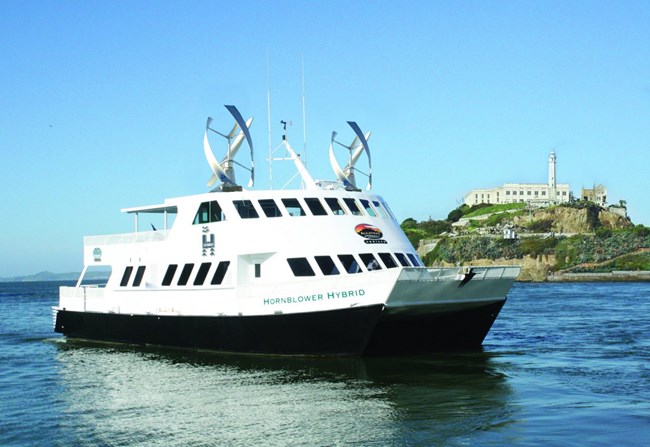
{"x":356,"y":148}
{"x":224,"y":171}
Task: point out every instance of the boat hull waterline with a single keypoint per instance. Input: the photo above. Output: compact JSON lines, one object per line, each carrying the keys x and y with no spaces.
{"x":355,"y":331}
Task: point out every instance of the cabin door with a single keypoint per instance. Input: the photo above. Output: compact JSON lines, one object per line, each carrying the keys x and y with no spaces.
{"x":251,"y":269}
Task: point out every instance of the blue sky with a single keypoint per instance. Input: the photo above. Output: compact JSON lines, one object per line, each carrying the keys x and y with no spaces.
{"x":102,"y":104}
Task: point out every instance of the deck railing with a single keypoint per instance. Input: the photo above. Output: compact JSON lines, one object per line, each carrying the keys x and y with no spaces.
{"x":445,"y":273}
{"x":127,"y":238}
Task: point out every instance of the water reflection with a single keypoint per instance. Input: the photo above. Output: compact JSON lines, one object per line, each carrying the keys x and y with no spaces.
{"x":120,"y":395}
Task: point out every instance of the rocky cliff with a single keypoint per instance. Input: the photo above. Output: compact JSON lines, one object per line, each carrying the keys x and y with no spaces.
{"x":562,"y":219}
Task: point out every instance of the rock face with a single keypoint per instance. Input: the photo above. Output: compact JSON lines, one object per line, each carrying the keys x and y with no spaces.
{"x":574,"y":220}
{"x":560,"y":220}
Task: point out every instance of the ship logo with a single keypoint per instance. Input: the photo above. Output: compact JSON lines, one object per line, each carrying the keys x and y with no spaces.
{"x":97,"y":254}
{"x":368,"y":231}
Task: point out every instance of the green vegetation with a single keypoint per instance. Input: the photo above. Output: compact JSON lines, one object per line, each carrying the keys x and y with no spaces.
{"x":540,"y":226}
{"x":430,"y":229}
{"x":631,"y":262}
{"x":568,"y":251}
{"x":479,"y":210}
{"x":583,"y":249}
{"x":466,"y":248}
{"x":604,"y":250}
{"x":416,"y":231}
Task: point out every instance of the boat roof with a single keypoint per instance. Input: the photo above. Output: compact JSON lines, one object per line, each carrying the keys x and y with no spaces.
{"x":153,"y":209}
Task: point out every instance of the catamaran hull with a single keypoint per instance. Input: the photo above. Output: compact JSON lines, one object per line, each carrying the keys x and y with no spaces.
{"x":355,"y":331}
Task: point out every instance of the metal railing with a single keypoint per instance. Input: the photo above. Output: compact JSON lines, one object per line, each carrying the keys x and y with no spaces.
{"x":450,"y":273}
{"x":127,"y":238}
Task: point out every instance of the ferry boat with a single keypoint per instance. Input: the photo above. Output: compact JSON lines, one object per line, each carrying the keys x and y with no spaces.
{"x":320,"y":270}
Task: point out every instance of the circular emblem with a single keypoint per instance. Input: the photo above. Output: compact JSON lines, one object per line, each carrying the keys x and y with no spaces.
{"x":368,"y":231}
{"x":97,"y":254}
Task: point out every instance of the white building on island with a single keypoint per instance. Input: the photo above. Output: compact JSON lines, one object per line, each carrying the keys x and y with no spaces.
{"x":535,"y":194}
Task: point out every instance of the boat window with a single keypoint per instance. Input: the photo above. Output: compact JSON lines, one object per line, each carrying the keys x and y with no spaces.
{"x":388,"y":260}
{"x":368,"y":208}
{"x":220,"y":273}
{"x":380,"y":208}
{"x":293,"y":207}
{"x":370,"y":261}
{"x":202,"y":273}
{"x":126,"y":276}
{"x":315,"y":206}
{"x":354,"y":208}
{"x":335,"y":206}
{"x":300,"y":267}
{"x":350,"y":263}
{"x":169,"y":274}
{"x":413,"y":259}
{"x":245,"y":209}
{"x":96,"y":275}
{"x":387,"y":208}
{"x":402,"y":259}
{"x":326,"y":265}
{"x":138,"y":276}
{"x":185,"y":274}
{"x":258,"y":270}
{"x":270,"y":208}
{"x":209,"y":212}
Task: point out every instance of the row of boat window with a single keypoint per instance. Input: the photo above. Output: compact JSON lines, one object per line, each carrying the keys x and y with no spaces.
{"x":299,"y":267}
{"x":351,"y":264}
{"x":183,"y":279}
{"x":212,"y":212}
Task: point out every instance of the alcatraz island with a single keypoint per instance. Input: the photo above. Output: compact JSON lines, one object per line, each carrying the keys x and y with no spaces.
{"x":553,"y":235}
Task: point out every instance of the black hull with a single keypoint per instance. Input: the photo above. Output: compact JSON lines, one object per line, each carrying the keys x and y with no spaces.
{"x":444,"y":331}
{"x":336,"y":332}
{"x":353,"y":331}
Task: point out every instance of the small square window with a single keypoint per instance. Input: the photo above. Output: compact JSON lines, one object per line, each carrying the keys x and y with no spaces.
{"x":352,"y":205}
{"x":270,"y":208}
{"x":335,"y":206}
{"x":169,"y":274}
{"x":326,"y":265}
{"x":138,"y":276}
{"x":185,"y":274}
{"x":350,"y":263}
{"x":202,"y":273}
{"x":293,"y":207}
{"x":315,"y":206}
{"x":220,"y":273}
{"x":370,"y":261}
{"x":245,"y":209}
{"x":300,"y":267}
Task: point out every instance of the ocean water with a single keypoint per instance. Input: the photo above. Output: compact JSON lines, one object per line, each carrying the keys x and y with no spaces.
{"x":564,"y":365}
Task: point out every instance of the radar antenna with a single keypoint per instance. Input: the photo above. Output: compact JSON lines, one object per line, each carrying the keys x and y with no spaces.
{"x":224,"y":171}
{"x":355,"y":149}
{"x":307,"y":180}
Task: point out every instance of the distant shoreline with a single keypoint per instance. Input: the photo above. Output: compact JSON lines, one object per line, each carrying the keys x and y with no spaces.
{"x":616,"y":276}
{"x":49,"y":276}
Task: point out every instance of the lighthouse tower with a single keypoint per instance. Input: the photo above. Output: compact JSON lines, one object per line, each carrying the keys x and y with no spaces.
{"x":552,"y":183}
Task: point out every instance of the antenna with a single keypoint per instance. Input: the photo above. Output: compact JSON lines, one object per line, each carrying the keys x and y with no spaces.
{"x":268,"y":114}
{"x":304,"y":116}
{"x":224,"y":171}
{"x":307,"y":179}
{"x":355,"y":149}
